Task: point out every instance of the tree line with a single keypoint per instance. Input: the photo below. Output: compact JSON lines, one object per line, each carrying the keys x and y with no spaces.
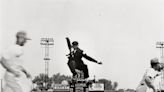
{"x":58,"y":78}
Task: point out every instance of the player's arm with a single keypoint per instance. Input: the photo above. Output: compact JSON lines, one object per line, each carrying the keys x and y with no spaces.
{"x":148,"y":81}
{"x":90,"y":58}
{"x":24,"y":70}
{"x":8,"y":67}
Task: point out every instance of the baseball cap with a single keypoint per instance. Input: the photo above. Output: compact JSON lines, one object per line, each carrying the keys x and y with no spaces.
{"x":75,"y":43}
{"x":154,"y":61}
{"x":22,"y":34}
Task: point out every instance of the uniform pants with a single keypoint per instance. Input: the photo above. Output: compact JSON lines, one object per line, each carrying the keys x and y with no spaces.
{"x":72,"y":66}
{"x":83,"y":68}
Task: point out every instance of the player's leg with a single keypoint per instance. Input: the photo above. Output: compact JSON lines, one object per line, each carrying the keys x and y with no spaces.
{"x":11,"y":84}
{"x":85,"y":70}
{"x":71,"y":65}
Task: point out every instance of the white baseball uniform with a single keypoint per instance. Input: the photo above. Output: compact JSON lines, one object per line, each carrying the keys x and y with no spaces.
{"x":12,"y":83}
{"x":152,"y":74}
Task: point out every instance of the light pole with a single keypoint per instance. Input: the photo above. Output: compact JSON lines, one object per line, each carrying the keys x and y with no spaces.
{"x":160,"y":45}
{"x":47,"y":43}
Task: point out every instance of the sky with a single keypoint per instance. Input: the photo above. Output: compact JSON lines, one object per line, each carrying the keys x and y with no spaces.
{"x":120,"y":33}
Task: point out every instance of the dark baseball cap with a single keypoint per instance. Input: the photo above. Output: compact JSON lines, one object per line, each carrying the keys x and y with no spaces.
{"x":75,"y":43}
{"x":154,"y":61}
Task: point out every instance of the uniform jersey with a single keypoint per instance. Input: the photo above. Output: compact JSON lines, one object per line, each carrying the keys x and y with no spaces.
{"x":12,"y":56}
{"x":152,"y":74}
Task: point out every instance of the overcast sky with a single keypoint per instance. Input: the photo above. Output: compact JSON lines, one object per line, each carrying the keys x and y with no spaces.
{"x":120,"y":33}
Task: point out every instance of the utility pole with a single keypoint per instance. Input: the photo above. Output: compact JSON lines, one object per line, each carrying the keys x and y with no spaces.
{"x":47,"y":43}
{"x":160,"y":45}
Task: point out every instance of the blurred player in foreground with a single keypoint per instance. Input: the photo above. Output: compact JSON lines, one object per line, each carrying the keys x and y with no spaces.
{"x":16,"y":78}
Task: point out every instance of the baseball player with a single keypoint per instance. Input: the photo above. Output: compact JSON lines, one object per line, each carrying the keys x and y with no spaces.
{"x":147,"y":83}
{"x":17,"y":79}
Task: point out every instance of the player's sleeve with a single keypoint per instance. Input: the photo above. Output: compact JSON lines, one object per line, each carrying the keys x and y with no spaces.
{"x":89,"y":58}
{"x":6,"y":54}
{"x":5,"y":60}
{"x":150,"y":73}
{"x":12,"y":52}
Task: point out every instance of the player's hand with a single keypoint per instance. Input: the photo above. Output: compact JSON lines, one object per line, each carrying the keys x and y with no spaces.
{"x":28,"y":75}
{"x":99,"y":63}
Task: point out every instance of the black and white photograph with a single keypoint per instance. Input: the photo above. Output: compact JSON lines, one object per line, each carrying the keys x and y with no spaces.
{"x":82,"y":46}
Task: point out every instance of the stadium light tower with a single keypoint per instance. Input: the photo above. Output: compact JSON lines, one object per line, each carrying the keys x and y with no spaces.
{"x":47,"y":43}
{"x":160,"y":45}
